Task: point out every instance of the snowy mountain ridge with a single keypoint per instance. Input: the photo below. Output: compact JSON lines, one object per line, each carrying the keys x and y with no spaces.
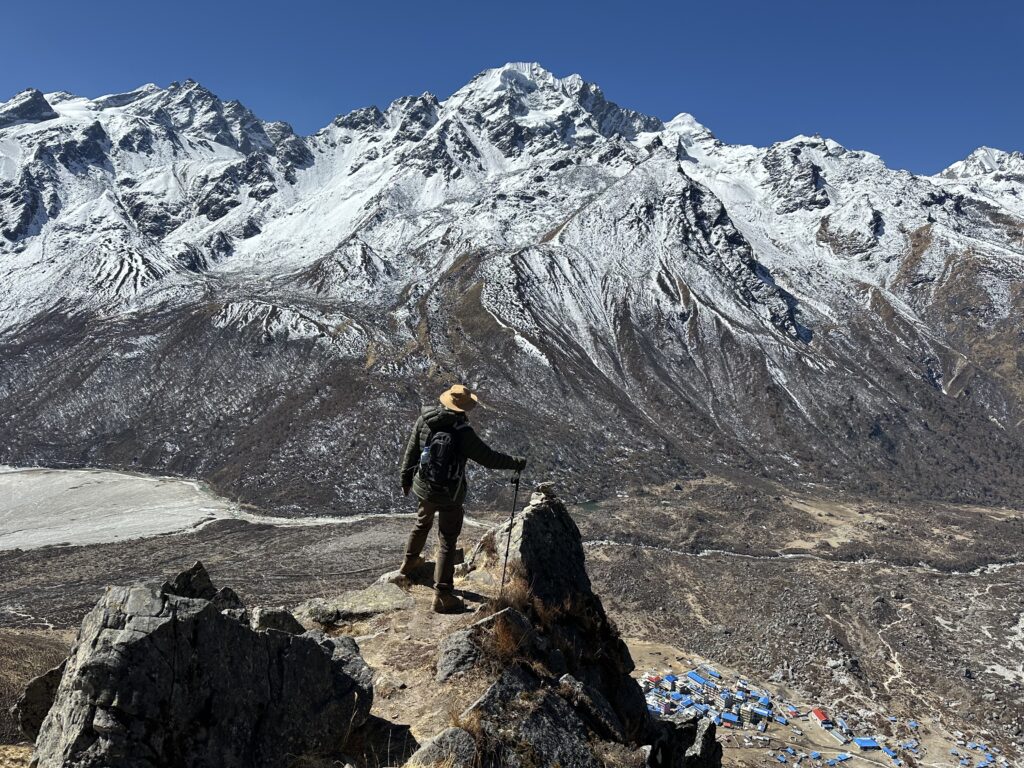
{"x":526,"y":227}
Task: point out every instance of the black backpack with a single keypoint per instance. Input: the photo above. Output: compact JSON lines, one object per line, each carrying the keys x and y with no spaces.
{"x":440,"y":464}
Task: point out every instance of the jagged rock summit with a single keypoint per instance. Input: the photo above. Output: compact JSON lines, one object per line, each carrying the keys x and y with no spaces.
{"x":561,"y":690}
{"x":176,"y":676}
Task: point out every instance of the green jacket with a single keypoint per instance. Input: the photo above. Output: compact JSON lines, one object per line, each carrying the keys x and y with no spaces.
{"x":432,"y":418}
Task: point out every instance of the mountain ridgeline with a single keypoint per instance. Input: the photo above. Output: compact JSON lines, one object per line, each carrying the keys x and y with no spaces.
{"x":187,"y":289}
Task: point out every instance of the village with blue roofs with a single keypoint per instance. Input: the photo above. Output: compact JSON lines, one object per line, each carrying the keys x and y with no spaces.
{"x":751,"y":717}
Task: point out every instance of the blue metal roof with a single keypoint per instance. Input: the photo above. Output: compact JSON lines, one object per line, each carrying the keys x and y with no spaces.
{"x":696,"y":678}
{"x":711,"y":671}
{"x":865,"y":743}
{"x":765,"y":700}
{"x":781,"y":720}
{"x":815,"y":755}
{"x":761,"y":711}
{"x":730,"y":717}
{"x":890,"y":752}
{"x":670,"y":678}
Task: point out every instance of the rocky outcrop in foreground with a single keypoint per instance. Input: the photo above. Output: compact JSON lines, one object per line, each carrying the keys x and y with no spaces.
{"x":183,"y":675}
{"x":561,"y":692}
{"x":186,"y":675}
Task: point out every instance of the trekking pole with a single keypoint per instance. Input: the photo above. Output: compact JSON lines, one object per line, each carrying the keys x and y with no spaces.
{"x":508,"y":542}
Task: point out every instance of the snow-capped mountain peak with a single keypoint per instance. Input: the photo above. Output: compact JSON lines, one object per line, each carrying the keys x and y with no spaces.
{"x":985,"y":161}
{"x":29,"y":106}
{"x":763,"y":291}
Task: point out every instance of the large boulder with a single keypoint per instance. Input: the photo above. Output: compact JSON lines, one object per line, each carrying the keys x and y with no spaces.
{"x":561,"y":690}
{"x":545,"y":548}
{"x":176,"y":676}
{"x":548,"y":581}
{"x":35,"y":702}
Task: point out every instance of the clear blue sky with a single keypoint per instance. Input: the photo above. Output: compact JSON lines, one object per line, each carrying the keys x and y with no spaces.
{"x":919,"y":83}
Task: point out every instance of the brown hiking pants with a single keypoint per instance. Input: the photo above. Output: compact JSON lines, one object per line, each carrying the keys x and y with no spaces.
{"x":449,"y":526}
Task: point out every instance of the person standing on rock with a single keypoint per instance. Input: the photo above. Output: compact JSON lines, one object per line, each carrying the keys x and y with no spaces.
{"x":434,"y":469}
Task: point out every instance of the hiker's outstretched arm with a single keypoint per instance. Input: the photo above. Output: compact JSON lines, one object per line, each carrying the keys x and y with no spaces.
{"x":411,"y":457}
{"x":476,"y":449}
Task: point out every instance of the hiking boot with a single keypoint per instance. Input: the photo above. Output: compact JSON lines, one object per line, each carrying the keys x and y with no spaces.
{"x":411,"y":565}
{"x":447,"y":602}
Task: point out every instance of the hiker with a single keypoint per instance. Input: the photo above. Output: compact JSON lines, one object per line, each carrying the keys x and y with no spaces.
{"x":434,"y":468}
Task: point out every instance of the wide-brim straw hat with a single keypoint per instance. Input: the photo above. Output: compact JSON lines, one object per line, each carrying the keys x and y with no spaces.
{"x":459,"y":398}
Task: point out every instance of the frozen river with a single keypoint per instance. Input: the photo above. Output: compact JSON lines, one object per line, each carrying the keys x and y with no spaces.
{"x":44,"y":507}
{"x":41,"y":507}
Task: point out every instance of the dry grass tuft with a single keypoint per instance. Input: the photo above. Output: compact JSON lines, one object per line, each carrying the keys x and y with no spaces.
{"x":488,"y":545}
{"x":504,"y":641}
{"x":471,"y":723}
{"x":612,"y":755}
{"x":516,"y":593}
{"x":445,"y":762}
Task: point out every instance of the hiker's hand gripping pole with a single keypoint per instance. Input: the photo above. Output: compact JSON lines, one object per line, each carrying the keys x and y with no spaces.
{"x":508,"y":541}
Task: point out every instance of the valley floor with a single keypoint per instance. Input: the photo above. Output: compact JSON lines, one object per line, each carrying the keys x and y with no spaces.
{"x":868,"y":609}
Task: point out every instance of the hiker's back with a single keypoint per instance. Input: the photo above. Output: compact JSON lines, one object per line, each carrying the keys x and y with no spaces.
{"x":440,"y":474}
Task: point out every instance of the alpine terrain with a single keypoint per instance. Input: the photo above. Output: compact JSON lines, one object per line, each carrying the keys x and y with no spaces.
{"x":191,"y":290}
{"x":777,"y":394}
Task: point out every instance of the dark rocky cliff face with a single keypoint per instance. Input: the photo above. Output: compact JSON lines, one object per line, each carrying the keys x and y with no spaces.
{"x":182,"y":675}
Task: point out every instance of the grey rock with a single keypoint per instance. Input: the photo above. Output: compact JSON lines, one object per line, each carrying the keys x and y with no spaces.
{"x":592,"y":702}
{"x":547,"y":552}
{"x":358,"y":604}
{"x":523,"y":723}
{"x":275,"y":618}
{"x":226,"y":600}
{"x":29,"y":106}
{"x":195,"y":583}
{"x":457,"y":654}
{"x":705,"y":752}
{"x":512,"y":682}
{"x":463,"y":649}
{"x":395,"y":577}
{"x":453,"y":747}
{"x":156,"y":678}
{"x":33,"y":704}
{"x":547,"y":545}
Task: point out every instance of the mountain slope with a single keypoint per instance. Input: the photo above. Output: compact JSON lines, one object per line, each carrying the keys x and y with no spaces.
{"x":187,"y":288}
